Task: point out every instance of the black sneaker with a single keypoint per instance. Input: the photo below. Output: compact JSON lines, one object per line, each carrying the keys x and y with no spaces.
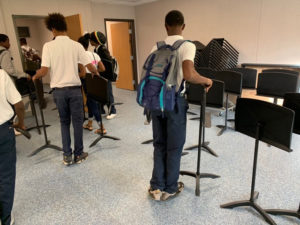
{"x":165,"y":195}
{"x":68,"y":160}
{"x":78,"y":159}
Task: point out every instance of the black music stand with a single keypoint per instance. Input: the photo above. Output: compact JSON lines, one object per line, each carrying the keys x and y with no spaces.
{"x":214,"y":98}
{"x":47,"y":142}
{"x":25,"y":86}
{"x":265,"y":122}
{"x":291,"y":101}
{"x":97,"y":88}
{"x":197,"y":175}
{"x":233,"y":85}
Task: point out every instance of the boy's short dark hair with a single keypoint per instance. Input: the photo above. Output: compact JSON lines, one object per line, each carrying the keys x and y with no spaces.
{"x":174,"y":18}
{"x":84,"y":41}
{"x":23,"y":41}
{"x":56,"y":21}
{"x":3,"y":37}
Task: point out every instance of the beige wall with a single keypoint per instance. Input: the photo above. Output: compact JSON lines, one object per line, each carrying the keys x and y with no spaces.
{"x":263,"y":31}
{"x":93,"y":15}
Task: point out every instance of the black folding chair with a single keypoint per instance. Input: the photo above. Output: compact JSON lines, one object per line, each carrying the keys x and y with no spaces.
{"x":284,"y":71}
{"x":291,"y":101}
{"x":233,"y":85}
{"x":265,"y":122}
{"x":97,"y":88}
{"x":249,"y":77}
{"x":275,"y":84}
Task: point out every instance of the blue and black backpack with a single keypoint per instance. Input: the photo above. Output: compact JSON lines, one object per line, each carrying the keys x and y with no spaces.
{"x":159,"y":86}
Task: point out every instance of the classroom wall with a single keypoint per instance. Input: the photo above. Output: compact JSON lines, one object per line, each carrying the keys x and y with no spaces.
{"x":263,"y":31}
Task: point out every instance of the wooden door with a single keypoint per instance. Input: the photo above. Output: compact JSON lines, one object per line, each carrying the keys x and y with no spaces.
{"x":121,"y":50}
{"x":74,"y":26}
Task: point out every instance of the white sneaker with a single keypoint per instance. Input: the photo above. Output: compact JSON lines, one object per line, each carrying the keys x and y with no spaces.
{"x":155,"y":194}
{"x":111,"y":116}
{"x":12,"y":219}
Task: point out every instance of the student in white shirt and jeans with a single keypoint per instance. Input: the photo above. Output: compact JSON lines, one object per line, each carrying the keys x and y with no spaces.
{"x":8,"y":96}
{"x":61,"y":56}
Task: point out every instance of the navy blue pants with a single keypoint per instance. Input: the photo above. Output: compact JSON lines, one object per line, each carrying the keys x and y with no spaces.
{"x":69,"y":103}
{"x":111,"y":98}
{"x":93,"y":106}
{"x":7,"y":171}
{"x":169,"y":132}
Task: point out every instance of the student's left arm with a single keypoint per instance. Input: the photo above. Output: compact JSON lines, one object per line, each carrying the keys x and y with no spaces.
{"x":40,"y":73}
{"x":101,"y":67}
{"x":45,"y":65}
{"x":82,"y":71}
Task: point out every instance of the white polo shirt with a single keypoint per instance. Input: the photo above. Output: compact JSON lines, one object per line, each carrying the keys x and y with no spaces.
{"x":62,"y":56}
{"x":186,"y":51}
{"x":8,"y":95}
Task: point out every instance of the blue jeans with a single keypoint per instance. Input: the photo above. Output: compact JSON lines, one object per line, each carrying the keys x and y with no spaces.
{"x":69,"y":103}
{"x":7,"y":171}
{"x":169,"y":132}
{"x":93,"y":108}
{"x":111,"y":98}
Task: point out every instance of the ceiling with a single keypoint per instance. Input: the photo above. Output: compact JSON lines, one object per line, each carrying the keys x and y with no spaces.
{"x":125,"y":2}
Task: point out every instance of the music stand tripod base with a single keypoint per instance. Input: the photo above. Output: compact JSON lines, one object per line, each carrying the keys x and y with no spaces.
{"x":147,"y":142}
{"x":197,"y":176}
{"x":47,"y":142}
{"x":283,"y":212}
{"x":253,"y":194}
{"x":204,"y":148}
{"x":101,"y":137}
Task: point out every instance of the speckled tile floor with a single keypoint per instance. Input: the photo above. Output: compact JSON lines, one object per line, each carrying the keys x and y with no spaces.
{"x":111,"y":186}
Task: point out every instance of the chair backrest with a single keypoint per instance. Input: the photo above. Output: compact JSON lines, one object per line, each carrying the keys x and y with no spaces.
{"x":232,"y":80}
{"x":249,"y":77}
{"x":292,"y":101}
{"x":214,"y":97}
{"x":276,"y":121}
{"x":276,"y":84}
{"x":206,"y":72}
{"x":280,"y":71}
{"x":97,"y":88}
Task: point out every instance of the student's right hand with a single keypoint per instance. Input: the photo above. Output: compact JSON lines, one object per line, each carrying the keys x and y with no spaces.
{"x":208,"y":84}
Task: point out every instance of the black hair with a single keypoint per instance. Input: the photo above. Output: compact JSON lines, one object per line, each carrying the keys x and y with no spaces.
{"x":3,"y":37}
{"x":56,"y":21}
{"x":174,"y":18}
{"x":23,"y":41}
{"x":98,"y":37}
{"x":84,"y":41}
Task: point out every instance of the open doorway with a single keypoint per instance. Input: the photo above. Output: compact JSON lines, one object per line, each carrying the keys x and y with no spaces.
{"x":33,"y":29}
{"x":122,"y":45}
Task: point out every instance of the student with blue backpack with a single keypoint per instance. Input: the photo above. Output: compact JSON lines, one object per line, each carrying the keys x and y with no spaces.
{"x":162,"y":91}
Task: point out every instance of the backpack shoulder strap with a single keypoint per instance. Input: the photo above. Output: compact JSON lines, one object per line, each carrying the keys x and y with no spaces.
{"x":160,"y":44}
{"x":178,"y":43}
